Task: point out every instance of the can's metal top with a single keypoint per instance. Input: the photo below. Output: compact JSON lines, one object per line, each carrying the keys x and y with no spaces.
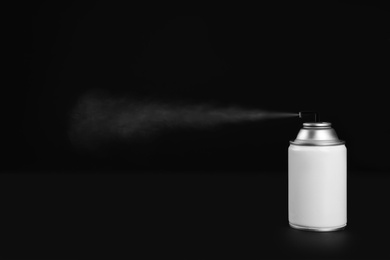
{"x":317,"y":134}
{"x":317,"y":124}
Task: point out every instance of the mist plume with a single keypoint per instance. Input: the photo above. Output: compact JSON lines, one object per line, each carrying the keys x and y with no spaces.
{"x":96,"y":118}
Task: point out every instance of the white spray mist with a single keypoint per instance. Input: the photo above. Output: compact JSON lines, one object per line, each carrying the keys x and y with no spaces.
{"x":98,"y":117}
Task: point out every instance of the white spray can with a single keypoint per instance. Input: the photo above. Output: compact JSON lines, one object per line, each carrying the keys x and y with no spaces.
{"x":317,"y":179}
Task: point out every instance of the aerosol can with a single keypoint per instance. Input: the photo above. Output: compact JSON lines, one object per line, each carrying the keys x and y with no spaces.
{"x":317,"y":179}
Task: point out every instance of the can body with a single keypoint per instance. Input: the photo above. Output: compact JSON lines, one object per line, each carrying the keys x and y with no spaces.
{"x":317,"y":187}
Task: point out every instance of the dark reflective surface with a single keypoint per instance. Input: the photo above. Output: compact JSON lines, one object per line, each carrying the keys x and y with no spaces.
{"x":188,"y":216}
{"x":319,"y":243}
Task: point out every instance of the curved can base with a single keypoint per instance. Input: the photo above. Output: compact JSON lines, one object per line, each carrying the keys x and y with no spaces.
{"x":318,"y":229}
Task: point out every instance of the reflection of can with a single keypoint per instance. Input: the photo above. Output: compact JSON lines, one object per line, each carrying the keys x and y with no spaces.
{"x":317,"y":179}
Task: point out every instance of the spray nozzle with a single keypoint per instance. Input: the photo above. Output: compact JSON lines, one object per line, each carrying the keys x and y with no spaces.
{"x":309,"y":116}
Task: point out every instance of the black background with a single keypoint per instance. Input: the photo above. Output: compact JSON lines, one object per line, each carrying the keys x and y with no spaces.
{"x":330,"y":57}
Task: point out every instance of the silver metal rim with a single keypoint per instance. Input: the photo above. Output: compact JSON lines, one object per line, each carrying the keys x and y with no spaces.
{"x":318,"y":229}
{"x":341,"y":142}
{"x":317,"y":124}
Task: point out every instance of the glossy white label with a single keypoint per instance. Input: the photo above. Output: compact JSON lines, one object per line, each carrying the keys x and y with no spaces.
{"x":317,"y":186}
